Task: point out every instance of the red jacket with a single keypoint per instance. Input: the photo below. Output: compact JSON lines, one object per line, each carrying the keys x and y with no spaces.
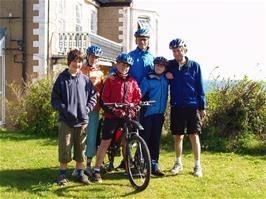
{"x":119,"y":90}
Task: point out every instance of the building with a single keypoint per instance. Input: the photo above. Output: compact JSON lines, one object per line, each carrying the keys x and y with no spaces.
{"x":35,"y":34}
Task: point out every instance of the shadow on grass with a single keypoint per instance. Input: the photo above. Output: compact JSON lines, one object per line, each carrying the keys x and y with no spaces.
{"x":41,"y":181}
{"x":30,"y":180}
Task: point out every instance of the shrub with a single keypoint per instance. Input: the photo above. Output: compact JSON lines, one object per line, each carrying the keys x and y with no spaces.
{"x":236,"y":113}
{"x":32,"y":111}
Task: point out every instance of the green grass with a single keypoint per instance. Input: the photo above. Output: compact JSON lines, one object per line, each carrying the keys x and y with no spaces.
{"x":29,"y":167}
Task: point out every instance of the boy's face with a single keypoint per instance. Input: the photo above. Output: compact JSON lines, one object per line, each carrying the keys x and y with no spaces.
{"x":122,"y":68}
{"x":159,"y":69}
{"x":179,"y":53}
{"x":92,"y":59}
{"x":142,"y":42}
{"x":75,"y":65}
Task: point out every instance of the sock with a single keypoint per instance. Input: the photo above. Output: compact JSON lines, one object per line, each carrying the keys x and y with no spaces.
{"x":62,"y":172}
{"x":178,"y":160}
{"x":97,"y":170}
{"x":197,"y":163}
{"x":89,"y":161}
{"x":80,"y":172}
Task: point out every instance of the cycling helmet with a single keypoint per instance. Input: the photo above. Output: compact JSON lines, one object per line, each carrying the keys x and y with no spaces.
{"x":142,"y":32}
{"x":94,"y":50}
{"x":177,"y":43}
{"x":160,"y":60}
{"x":125,"y":58}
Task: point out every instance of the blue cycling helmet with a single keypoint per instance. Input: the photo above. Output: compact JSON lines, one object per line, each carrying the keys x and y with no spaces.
{"x":160,"y":60}
{"x":125,"y":58}
{"x":94,"y":50}
{"x":142,"y":32}
{"x":176,"y":43}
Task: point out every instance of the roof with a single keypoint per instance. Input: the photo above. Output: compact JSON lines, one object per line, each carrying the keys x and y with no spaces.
{"x":105,"y":3}
{"x":2,"y":32}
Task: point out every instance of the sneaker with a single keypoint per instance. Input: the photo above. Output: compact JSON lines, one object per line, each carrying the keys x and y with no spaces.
{"x":97,"y":177}
{"x":84,"y":179}
{"x":89,"y":171}
{"x":197,"y":171}
{"x":75,"y":173}
{"x":62,"y":180}
{"x":176,"y":168}
{"x":158,"y":173}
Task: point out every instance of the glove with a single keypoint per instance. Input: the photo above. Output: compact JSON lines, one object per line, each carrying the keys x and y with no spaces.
{"x":119,"y":113}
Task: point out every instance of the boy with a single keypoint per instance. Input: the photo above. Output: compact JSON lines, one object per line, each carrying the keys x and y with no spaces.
{"x":73,"y":96}
{"x":120,"y":89}
{"x":90,"y":69}
{"x":155,"y":87}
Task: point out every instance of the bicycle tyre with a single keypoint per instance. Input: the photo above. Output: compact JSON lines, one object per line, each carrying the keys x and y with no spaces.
{"x":139,"y":163}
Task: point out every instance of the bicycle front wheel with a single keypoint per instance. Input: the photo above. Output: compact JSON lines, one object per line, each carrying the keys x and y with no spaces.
{"x":138,"y":163}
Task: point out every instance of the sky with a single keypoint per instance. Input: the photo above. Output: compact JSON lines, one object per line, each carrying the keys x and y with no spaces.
{"x":226,"y":37}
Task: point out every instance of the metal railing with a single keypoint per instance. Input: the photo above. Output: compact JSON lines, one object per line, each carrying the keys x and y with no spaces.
{"x":81,"y":40}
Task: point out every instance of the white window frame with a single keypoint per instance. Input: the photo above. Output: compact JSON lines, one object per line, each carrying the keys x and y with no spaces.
{"x":144,"y":22}
{"x":94,"y":21}
{"x":78,"y":11}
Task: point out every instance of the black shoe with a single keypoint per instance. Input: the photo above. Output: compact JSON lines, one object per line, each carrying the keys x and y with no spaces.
{"x":158,"y":173}
{"x":62,"y":180}
{"x":84,"y":179}
{"x":121,"y":166}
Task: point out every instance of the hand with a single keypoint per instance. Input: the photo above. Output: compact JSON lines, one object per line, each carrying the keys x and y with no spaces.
{"x":169,"y":76}
{"x":119,"y":113}
{"x":202,"y":113}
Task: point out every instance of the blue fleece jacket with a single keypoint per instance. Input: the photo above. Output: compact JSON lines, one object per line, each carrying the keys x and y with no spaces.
{"x":73,"y":97}
{"x":186,"y":89}
{"x":143,"y":64}
{"x":155,"y":88}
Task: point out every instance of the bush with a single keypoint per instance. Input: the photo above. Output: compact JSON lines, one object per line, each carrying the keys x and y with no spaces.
{"x":236,"y":114}
{"x":32,"y":111}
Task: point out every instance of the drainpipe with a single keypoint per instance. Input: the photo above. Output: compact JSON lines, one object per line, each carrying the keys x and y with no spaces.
{"x":24,"y":47}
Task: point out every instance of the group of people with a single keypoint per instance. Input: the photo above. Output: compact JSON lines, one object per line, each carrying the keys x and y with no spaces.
{"x":80,"y":91}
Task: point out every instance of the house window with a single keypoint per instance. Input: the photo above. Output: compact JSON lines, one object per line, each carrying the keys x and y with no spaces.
{"x":93,"y":22}
{"x":144,"y":22}
{"x":78,"y":17}
{"x":60,"y":12}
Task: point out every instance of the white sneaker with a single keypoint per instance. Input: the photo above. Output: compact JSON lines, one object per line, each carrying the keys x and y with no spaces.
{"x":89,"y":171}
{"x":197,"y":171}
{"x":75,"y":173}
{"x":176,"y":168}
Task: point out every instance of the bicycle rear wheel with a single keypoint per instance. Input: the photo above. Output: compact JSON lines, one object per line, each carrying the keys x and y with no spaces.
{"x":138,"y":163}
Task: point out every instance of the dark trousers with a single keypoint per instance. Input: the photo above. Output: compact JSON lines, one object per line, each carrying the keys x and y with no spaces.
{"x":152,"y":133}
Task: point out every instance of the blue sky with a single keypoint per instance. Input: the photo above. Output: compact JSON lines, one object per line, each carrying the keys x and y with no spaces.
{"x":229,"y":35}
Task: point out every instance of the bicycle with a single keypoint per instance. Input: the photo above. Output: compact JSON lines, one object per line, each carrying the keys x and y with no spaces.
{"x":137,"y":156}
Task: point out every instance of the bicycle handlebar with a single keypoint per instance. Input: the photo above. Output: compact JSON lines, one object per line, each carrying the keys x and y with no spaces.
{"x":130,"y":105}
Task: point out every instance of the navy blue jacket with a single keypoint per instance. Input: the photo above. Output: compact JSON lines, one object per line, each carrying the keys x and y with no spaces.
{"x":186,"y":89}
{"x":156,"y":88}
{"x":73,"y":97}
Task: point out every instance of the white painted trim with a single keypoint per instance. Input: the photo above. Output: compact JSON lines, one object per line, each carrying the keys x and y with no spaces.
{"x":2,"y":46}
{"x":41,"y":32}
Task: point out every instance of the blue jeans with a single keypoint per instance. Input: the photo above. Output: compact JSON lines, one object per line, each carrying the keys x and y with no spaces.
{"x":92,"y":133}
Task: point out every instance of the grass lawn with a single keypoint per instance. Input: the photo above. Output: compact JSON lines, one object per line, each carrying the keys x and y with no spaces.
{"x":29,"y":167}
